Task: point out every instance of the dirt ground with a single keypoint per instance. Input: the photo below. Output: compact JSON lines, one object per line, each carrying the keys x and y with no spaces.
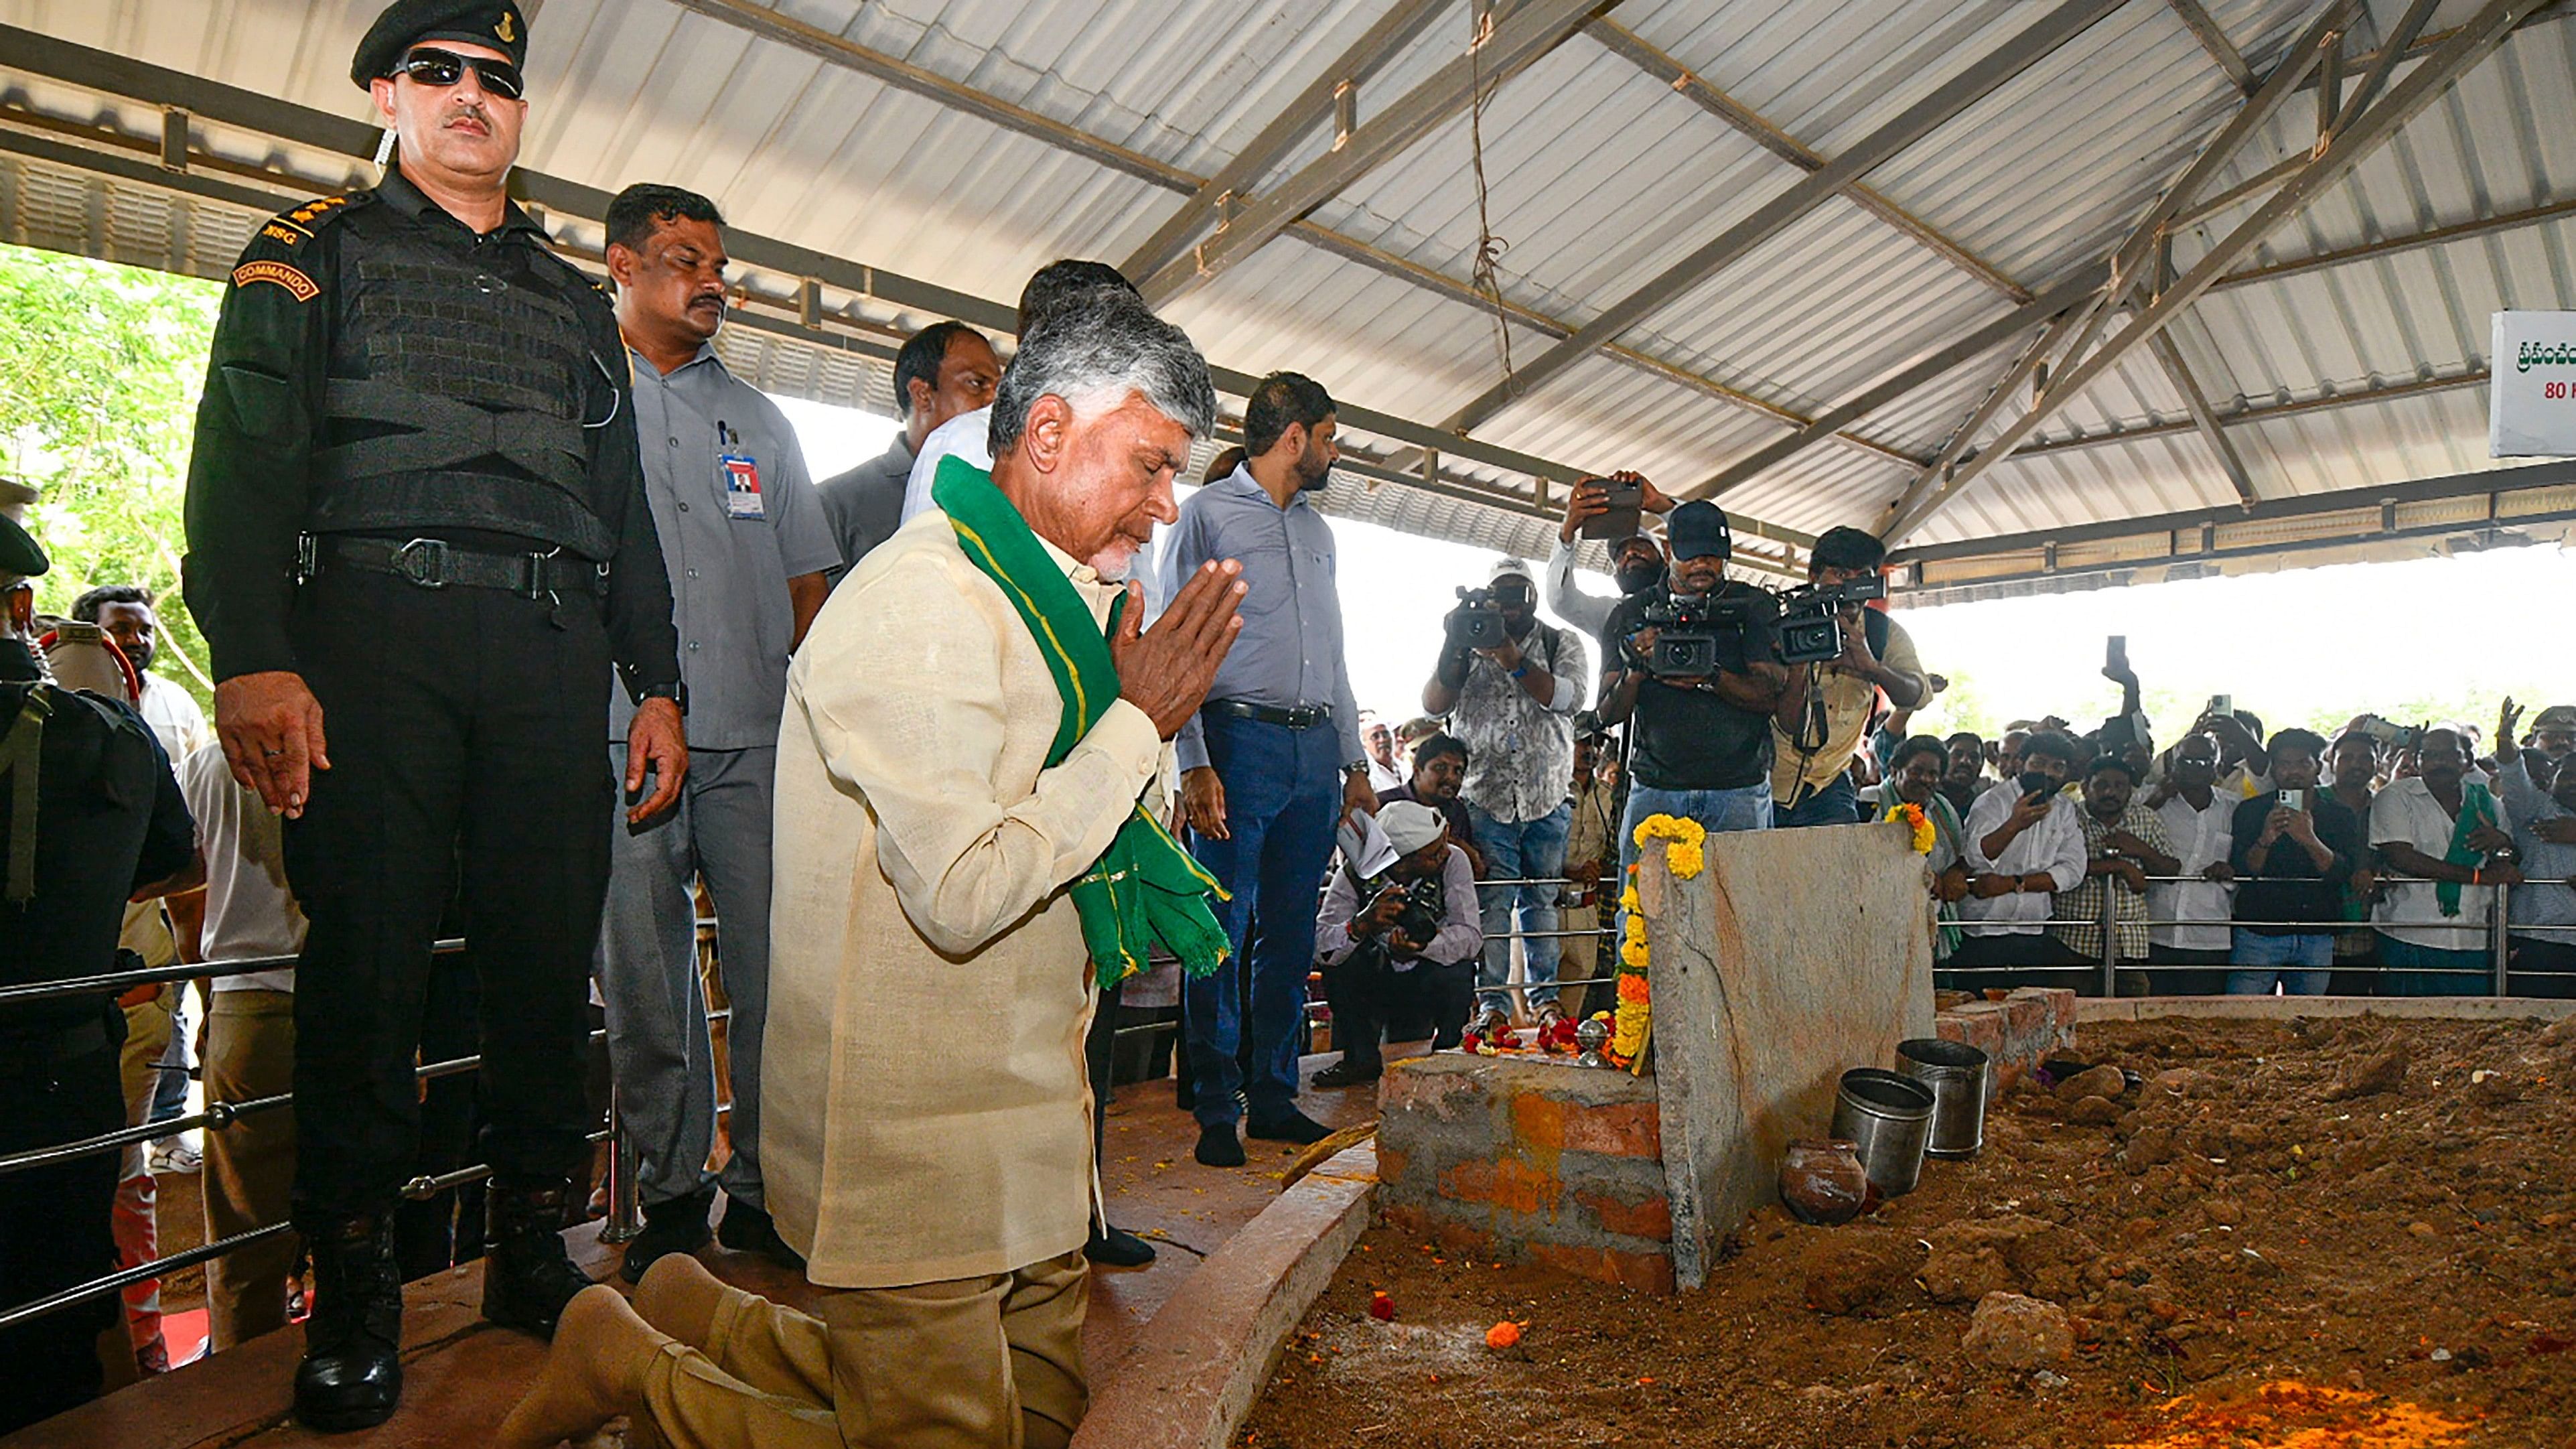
{"x":2321,"y":1234}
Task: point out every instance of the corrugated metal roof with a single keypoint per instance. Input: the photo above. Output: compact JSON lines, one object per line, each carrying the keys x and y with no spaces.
{"x":1600,"y":177}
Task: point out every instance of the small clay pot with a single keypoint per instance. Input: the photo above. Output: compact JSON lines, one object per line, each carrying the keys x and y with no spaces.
{"x":1823,"y":1183}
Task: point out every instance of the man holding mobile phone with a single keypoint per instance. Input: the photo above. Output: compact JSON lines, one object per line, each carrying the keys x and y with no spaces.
{"x":2025,"y":845}
{"x":2295,"y":847}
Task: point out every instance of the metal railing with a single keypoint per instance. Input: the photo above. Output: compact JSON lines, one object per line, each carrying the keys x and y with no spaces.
{"x":625,"y":1211}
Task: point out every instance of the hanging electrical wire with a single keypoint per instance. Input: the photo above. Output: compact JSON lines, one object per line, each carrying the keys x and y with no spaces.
{"x":1483,"y":275}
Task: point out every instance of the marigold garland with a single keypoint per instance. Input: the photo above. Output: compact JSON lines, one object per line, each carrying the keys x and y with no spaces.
{"x":1912,"y":814}
{"x":1684,"y":854}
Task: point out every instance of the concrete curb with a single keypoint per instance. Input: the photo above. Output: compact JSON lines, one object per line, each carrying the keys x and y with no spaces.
{"x":2283,"y":1008}
{"x":1205,"y":1355}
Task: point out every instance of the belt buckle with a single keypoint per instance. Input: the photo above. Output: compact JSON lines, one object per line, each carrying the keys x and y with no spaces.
{"x":533,"y":574}
{"x":422,"y":562}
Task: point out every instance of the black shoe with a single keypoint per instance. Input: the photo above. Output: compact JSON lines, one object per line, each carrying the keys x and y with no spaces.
{"x":527,"y":1276}
{"x":351,"y":1376}
{"x":1296,"y":1127}
{"x":1118,"y":1248}
{"x":1344,"y":1074}
{"x":677,"y":1226}
{"x":1218,"y":1146}
{"x":747,"y":1229}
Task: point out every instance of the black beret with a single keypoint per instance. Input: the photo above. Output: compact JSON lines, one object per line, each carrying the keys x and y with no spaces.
{"x":407,"y":23}
{"x":19,"y":555}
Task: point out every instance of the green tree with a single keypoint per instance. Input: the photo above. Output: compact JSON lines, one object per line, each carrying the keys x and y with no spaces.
{"x":98,"y":401}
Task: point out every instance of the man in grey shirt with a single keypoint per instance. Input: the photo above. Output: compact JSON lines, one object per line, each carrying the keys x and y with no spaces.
{"x":1270,"y":764}
{"x":945,"y":370}
{"x":748,"y":547}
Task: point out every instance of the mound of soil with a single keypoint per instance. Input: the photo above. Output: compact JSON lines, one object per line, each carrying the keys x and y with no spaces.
{"x":2346,"y":1234}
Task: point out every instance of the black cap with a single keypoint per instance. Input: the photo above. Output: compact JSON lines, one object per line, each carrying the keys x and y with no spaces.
{"x":407,"y":23}
{"x":1698,"y":529}
{"x":19,"y":555}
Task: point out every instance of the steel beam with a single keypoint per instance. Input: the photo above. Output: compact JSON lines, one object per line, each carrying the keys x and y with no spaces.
{"x":2358,"y":397}
{"x":2424,"y":45}
{"x":1654,"y":61}
{"x":1905,"y":380}
{"x":1398,"y":28}
{"x":2391,"y":50}
{"x":2030,"y":367}
{"x":1981,"y":79}
{"x":1529,"y":32}
{"x":2395,"y":245}
{"x":2214,"y":40}
{"x":2196,"y":403}
{"x":2470,"y":44}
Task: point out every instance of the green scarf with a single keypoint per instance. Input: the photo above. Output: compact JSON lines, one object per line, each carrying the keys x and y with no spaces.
{"x":2477,"y":808}
{"x":1145,"y":888}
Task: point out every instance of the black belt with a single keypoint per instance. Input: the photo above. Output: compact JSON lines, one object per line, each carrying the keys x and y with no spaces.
{"x":434,"y":563}
{"x":1303,"y":717}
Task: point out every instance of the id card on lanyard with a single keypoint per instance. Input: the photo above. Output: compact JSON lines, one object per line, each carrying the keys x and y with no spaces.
{"x":738,"y":474}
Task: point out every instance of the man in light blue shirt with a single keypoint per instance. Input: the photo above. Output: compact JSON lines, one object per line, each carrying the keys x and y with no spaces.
{"x":1271,"y":763}
{"x":749,"y":549}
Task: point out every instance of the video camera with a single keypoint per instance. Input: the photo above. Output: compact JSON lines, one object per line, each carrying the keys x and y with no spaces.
{"x":1697,"y":635}
{"x":1426,"y":905}
{"x":1811,"y":629}
{"x":1477,"y":622}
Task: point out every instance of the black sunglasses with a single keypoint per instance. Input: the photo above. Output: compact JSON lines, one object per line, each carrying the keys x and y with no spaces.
{"x":443,"y":68}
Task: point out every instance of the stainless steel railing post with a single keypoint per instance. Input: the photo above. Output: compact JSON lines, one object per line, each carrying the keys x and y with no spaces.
{"x":625,"y":1195}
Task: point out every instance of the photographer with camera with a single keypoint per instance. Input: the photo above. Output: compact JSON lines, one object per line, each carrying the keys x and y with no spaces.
{"x":1694,"y":664}
{"x":1609,"y":509}
{"x":1510,"y":685}
{"x":1409,"y":931}
{"x":1869,"y":652}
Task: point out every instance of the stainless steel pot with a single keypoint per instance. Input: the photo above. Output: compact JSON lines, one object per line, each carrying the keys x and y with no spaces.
{"x":1957,"y":1073}
{"x":1890,"y":1116}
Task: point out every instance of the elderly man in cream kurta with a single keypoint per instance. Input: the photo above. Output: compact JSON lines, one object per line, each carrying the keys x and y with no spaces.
{"x":936,"y":1169}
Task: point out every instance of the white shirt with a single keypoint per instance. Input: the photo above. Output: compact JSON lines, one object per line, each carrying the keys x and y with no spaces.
{"x":2055,"y":845}
{"x":1384,"y":777}
{"x":1588,"y":613}
{"x":968,"y":436}
{"x":2201,"y":839}
{"x":2406,"y":811}
{"x":175,"y":716}
{"x":249,"y":909}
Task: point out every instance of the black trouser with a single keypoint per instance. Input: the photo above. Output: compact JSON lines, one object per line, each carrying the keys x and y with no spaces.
{"x":1367,"y":993}
{"x":2041,"y":959}
{"x":446,"y":1228}
{"x":2197,"y":973}
{"x":2542,"y":966}
{"x":57,"y":1087}
{"x":464,"y":729}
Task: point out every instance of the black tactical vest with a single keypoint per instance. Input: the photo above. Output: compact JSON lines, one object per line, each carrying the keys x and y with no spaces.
{"x":461,"y":378}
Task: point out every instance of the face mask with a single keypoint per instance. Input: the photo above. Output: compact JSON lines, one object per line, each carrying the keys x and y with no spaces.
{"x":1637,"y":577}
{"x":2034,"y":782}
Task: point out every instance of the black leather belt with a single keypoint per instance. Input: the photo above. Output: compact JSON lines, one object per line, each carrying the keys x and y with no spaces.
{"x":433,"y":563}
{"x":1303,"y":717}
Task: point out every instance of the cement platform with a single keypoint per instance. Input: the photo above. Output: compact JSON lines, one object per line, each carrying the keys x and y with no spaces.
{"x":462,"y":1375}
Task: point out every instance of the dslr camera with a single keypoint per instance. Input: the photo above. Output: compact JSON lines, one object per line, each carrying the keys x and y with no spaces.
{"x":1426,"y":904}
{"x":1477,"y":622}
{"x":1697,"y":635}
{"x":1811,"y":627}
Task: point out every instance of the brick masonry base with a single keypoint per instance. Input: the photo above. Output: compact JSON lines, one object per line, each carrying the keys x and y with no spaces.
{"x":1533,"y":1159}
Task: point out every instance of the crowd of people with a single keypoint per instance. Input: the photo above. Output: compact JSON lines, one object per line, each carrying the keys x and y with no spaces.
{"x":528,"y":625}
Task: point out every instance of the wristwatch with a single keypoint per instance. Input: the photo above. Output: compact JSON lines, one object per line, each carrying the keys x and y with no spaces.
{"x":677,"y":692}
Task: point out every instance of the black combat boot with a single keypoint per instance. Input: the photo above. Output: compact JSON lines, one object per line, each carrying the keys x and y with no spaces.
{"x":527,"y":1277}
{"x":351,"y":1376}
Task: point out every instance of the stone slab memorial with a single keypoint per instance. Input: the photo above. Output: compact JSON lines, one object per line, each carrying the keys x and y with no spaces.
{"x":1793,"y":956}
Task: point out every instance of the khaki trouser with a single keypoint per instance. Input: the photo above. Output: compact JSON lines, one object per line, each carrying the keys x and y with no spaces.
{"x":1581,"y":961}
{"x":974,"y":1363}
{"x":138,"y":1235}
{"x":250,"y":1166}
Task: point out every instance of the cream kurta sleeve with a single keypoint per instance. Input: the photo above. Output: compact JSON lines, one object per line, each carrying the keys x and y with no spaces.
{"x":964,"y":864}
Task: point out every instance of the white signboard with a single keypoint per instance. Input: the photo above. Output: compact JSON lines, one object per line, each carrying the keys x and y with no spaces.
{"x":2531,"y":411}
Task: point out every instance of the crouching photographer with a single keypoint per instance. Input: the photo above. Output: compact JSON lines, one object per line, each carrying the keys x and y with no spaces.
{"x":1848,"y":653}
{"x":1408,"y":935}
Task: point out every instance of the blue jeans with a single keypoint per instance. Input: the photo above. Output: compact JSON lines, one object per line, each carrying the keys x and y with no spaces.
{"x":2255,"y":949}
{"x":2431,"y":971}
{"x":1283,"y":798}
{"x":1748,"y":808}
{"x":1530,"y":850}
{"x":1836,"y":804}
